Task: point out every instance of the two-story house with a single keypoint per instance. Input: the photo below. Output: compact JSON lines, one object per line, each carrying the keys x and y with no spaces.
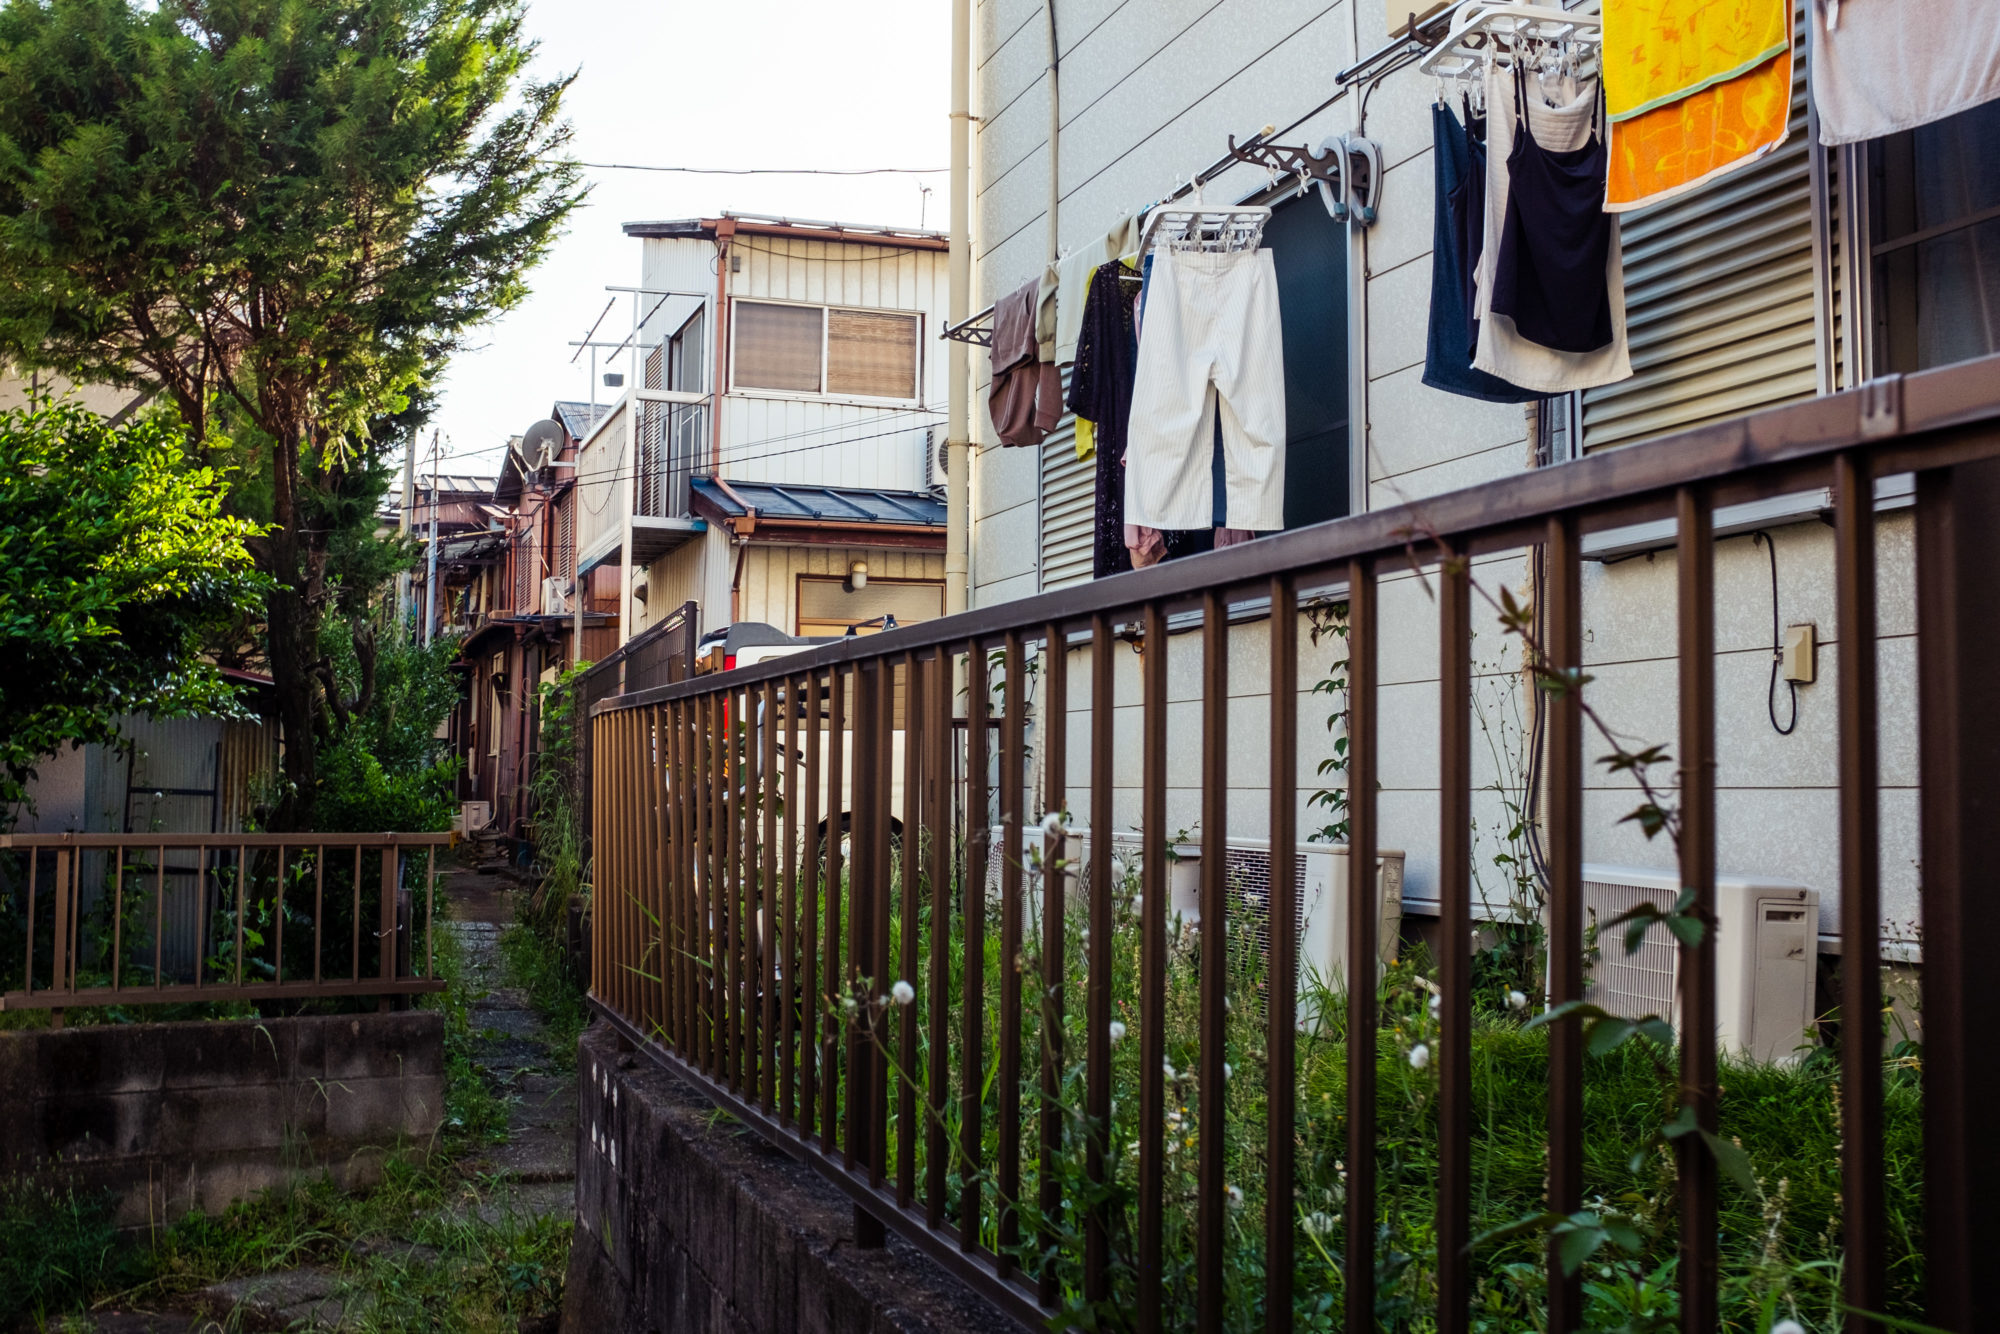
{"x":775,"y":456}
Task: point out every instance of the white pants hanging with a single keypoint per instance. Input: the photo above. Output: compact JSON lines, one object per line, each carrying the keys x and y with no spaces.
{"x":1210,"y":336}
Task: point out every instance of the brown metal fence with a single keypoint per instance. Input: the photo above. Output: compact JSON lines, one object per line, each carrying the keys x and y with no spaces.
{"x":658,"y":655}
{"x":142,"y":919}
{"x":772,"y":851}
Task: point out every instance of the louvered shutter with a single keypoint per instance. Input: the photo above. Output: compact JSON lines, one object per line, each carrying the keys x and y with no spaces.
{"x":1719,"y":298}
{"x":1069,"y":506}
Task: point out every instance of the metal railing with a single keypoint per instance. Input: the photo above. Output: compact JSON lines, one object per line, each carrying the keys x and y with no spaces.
{"x":659,"y":655}
{"x":672,"y":436}
{"x":144,"y":919}
{"x":772,"y":848}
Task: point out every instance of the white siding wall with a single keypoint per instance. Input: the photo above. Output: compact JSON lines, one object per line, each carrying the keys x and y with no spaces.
{"x":1150,"y":92}
{"x":601,"y":469}
{"x":810,"y":439}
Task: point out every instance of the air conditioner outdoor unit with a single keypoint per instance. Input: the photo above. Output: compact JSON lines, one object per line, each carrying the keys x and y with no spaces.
{"x":474,"y":816}
{"x":1766,"y":940}
{"x":1321,"y":874}
{"x":555,"y":596}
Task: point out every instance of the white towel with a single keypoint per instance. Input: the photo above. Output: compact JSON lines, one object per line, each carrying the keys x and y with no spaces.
{"x":1882,"y":66}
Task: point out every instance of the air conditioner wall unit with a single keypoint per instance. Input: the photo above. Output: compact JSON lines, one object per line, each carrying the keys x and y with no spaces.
{"x":1766,"y":943}
{"x":1321,"y":874}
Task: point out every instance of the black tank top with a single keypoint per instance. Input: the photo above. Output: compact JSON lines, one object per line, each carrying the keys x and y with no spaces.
{"x":1550,"y":275}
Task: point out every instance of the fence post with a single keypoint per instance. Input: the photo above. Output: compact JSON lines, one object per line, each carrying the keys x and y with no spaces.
{"x":59,"y":957}
{"x":1958,"y":625}
{"x":386,"y":922}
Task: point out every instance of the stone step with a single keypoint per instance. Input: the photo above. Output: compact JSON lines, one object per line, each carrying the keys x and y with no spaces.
{"x":310,"y":1298}
{"x":536,"y":1155}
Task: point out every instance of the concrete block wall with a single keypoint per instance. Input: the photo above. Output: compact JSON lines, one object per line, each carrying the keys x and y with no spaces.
{"x":688,"y":1222}
{"x":175,"y":1117}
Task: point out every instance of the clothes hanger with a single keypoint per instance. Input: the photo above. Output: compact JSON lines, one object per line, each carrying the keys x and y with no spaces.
{"x":1201,"y":227}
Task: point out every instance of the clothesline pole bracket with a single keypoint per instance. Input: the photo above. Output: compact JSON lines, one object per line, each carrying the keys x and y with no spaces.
{"x":976,"y":330}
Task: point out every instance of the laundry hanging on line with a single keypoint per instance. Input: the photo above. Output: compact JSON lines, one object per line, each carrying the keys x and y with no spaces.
{"x":1883,"y":66}
{"x":1100,"y":390}
{"x":1211,"y":343}
{"x":1694,"y":89}
{"x":1657,"y":52}
{"x":1561,"y":113}
{"x":1458,"y":165}
{"x":1025,"y":398}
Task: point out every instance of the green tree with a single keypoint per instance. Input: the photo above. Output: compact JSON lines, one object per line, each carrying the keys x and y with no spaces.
{"x":116,"y":563}
{"x":386,"y":766}
{"x":284,"y":215}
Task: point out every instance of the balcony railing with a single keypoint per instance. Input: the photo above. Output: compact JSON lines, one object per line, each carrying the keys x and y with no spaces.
{"x":777,"y":844}
{"x":673,"y":435}
{"x":143,"y":919}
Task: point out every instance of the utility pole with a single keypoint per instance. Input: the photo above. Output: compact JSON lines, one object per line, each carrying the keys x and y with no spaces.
{"x":403,"y":590}
{"x":431,"y":576}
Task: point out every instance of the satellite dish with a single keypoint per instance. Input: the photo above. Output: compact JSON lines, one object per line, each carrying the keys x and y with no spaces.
{"x":543,"y":441}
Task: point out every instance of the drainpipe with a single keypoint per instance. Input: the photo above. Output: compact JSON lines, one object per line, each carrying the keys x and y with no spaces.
{"x":958,"y":452}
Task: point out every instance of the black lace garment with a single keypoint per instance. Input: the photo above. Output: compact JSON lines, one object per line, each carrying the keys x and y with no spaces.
{"x":1100,"y":389}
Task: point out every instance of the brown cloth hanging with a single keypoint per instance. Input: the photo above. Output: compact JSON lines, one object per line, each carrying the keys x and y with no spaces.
{"x":1025,"y":400}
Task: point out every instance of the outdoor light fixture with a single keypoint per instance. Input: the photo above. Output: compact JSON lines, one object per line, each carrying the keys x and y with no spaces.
{"x":857,"y":576}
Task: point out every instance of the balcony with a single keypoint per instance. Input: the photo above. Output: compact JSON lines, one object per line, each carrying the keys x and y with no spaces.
{"x":633,"y":477}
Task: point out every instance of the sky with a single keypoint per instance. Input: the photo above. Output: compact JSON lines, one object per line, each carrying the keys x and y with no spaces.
{"x":756,"y":83}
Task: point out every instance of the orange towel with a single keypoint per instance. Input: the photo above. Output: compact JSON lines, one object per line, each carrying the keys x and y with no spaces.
{"x":1674,"y":148}
{"x":1659,"y":51}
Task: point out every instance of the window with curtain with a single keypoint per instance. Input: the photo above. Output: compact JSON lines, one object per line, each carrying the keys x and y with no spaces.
{"x":815,"y":349}
{"x":1935,"y":241}
{"x":779,"y":347}
{"x":871,"y":354}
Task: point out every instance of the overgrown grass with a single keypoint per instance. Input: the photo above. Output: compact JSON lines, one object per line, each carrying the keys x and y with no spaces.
{"x":56,"y":1246}
{"x":477,"y":1267}
{"x":1780,"y":1242}
{"x":537,"y":964}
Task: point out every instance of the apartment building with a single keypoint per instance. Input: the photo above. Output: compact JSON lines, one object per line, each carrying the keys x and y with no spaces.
{"x":1807,"y":272}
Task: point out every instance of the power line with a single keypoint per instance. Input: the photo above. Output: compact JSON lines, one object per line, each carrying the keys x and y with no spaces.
{"x":619,"y":473}
{"x":770,"y":171}
{"x":930,"y":413}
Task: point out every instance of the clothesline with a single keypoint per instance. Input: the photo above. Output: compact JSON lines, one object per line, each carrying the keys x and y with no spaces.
{"x":977,"y":329}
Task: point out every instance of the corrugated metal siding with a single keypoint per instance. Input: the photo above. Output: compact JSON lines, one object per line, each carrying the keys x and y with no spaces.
{"x":1069,"y":508}
{"x":1719,"y":299}
{"x":811,"y":441}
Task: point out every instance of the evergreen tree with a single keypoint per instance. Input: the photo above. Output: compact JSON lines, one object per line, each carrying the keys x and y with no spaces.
{"x":282,"y":215}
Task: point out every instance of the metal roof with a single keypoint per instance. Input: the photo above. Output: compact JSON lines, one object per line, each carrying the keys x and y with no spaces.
{"x":760,"y":224}
{"x":837,"y":504}
{"x":456,"y":484}
{"x":579,"y":418}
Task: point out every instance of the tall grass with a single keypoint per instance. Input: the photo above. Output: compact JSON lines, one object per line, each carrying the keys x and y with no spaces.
{"x":1780,"y":1244}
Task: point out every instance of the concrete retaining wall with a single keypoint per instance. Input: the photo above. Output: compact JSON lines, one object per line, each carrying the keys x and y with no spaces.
{"x":687,"y":1221}
{"x":171,"y":1117}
